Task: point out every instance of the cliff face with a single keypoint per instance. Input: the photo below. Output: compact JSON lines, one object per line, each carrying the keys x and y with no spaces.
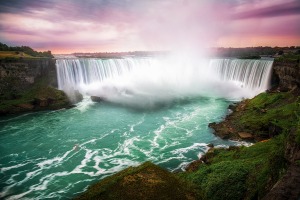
{"x":16,"y":76}
{"x":286,"y":74}
{"x":29,"y":85}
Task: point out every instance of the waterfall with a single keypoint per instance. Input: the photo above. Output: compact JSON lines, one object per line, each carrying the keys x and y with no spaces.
{"x":148,"y":80}
{"x":252,"y":74}
{"x":73,"y":72}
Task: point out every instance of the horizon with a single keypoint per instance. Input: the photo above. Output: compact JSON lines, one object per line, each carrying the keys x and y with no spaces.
{"x":131,"y":25}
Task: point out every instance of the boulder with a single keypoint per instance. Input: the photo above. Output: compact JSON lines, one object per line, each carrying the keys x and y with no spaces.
{"x":210,"y":145}
{"x":26,"y":106}
{"x":41,"y":102}
{"x":96,"y":99}
{"x":245,"y":136}
{"x":193,"y":166}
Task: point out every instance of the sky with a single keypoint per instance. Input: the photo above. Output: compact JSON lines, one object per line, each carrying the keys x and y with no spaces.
{"x":66,"y":26}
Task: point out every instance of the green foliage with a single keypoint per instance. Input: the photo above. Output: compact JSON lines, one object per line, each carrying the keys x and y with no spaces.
{"x":26,"y":50}
{"x":267,"y":109}
{"x":146,"y":181}
{"x":289,"y":57}
{"x":40,"y":90}
{"x":297,"y":138}
{"x":244,"y":173}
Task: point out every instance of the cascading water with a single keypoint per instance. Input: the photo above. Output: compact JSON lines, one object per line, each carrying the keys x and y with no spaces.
{"x":150,"y":80}
{"x":252,"y":74}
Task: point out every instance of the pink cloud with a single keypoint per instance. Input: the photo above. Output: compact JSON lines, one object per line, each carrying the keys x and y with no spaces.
{"x":148,"y":25}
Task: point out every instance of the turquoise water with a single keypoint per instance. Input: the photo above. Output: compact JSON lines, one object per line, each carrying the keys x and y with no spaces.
{"x":58,"y":154}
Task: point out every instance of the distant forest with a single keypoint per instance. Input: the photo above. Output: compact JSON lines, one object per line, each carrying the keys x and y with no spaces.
{"x":26,"y":50}
{"x":254,"y":52}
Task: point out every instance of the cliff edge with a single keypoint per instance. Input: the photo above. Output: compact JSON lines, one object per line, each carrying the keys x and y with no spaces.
{"x":28,"y":84}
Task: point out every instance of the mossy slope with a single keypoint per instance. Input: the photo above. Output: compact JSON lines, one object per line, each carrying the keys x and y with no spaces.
{"x":30,"y":100}
{"x":264,"y":116}
{"x":146,"y":181}
{"x":240,"y":173}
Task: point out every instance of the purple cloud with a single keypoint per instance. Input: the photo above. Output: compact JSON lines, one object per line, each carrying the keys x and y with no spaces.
{"x":283,"y":9}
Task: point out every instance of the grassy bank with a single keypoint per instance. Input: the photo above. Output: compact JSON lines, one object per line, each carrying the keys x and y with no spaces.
{"x":146,"y":181}
{"x":240,"y":173}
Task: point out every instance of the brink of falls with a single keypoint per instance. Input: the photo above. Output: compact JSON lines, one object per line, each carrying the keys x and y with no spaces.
{"x":147,"y":81}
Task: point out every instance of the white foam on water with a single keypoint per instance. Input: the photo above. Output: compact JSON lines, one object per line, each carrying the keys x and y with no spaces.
{"x":182,"y":166}
{"x":53,"y":161}
{"x":3,"y":169}
{"x":157,"y":136}
{"x":83,"y":105}
{"x":87,"y":158}
{"x":98,"y":161}
{"x":179,"y":157}
{"x":195,"y":146}
{"x":136,"y":124}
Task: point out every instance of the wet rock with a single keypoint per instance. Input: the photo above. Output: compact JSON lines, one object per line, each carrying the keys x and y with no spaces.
{"x":286,"y":74}
{"x":232,"y":107}
{"x":209,"y":154}
{"x":41,"y":102}
{"x":26,"y":106}
{"x":223,"y":130}
{"x":96,"y":99}
{"x":288,"y":187}
{"x":193,"y":166}
{"x":210,"y":145}
{"x":245,"y":136}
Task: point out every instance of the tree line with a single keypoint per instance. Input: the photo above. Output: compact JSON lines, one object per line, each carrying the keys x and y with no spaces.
{"x":27,"y":50}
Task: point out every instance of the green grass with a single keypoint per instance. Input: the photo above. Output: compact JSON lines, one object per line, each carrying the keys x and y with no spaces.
{"x":17,"y":55}
{"x":13,"y":54}
{"x":288,"y":57}
{"x":146,"y":181}
{"x":39,"y":90}
{"x":244,"y":173}
{"x":267,"y":109}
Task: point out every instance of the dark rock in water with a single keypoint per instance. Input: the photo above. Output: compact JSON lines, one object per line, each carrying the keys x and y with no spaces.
{"x":75,"y":96}
{"x":96,"y":99}
{"x":223,"y":130}
{"x":210,"y":145}
{"x":232,"y":107}
{"x":78,"y":96}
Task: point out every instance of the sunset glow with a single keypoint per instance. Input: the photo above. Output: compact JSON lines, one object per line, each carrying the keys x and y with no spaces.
{"x":131,"y":25}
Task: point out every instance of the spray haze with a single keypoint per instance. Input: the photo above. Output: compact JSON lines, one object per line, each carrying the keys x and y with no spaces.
{"x":147,"y":82}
